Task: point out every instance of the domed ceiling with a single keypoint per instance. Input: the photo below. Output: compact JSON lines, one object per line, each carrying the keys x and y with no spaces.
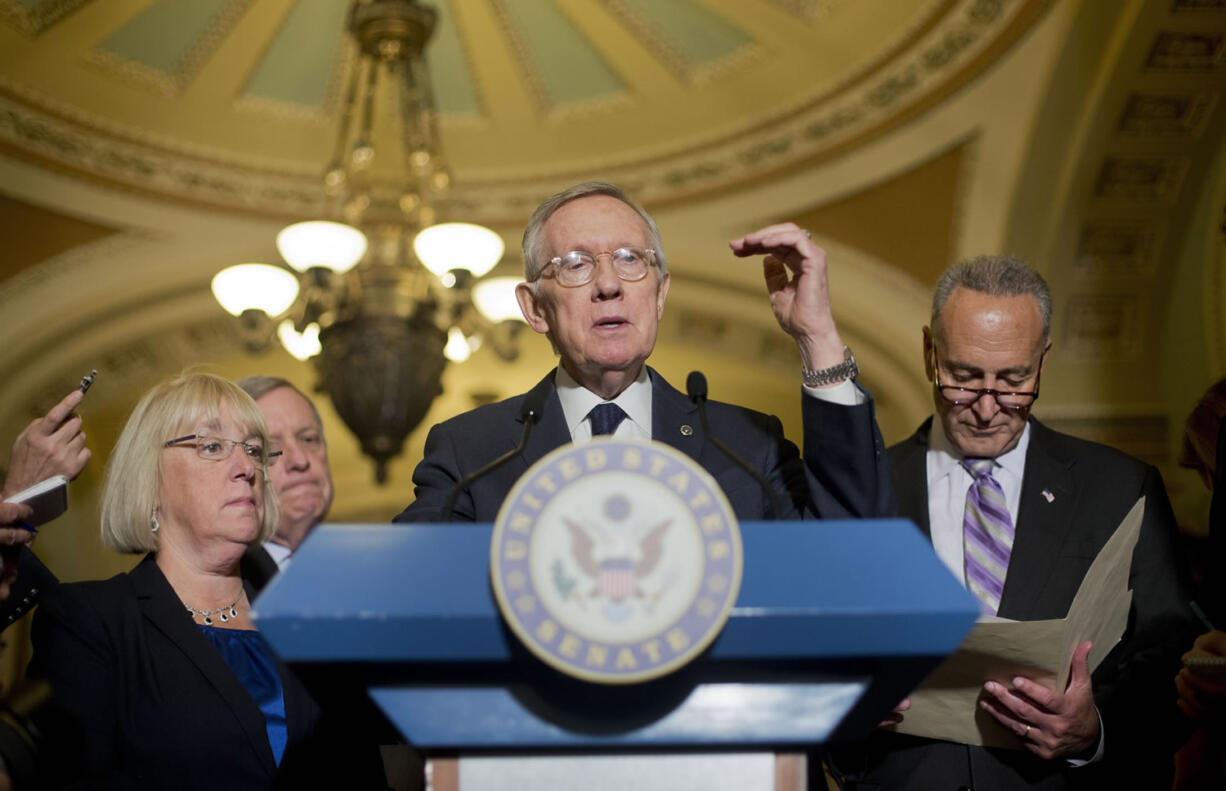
{"x":234,"y":103}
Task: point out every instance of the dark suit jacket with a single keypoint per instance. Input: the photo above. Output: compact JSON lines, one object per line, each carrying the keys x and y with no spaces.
{"x":141,"y":699}
{"x":257,"y":567}
{"x":1092,"y":488}
{"x":34,"y":578}
{"x":843,"y":475}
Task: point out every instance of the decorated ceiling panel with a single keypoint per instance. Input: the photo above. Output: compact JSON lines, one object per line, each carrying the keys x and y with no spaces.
{"x":298,"y":66}
{"x":234,"y":103}
{"x":455,"y":89}
{"x":162,"y":35}
{"x":685,"y":30}
{"x":556,"y":57}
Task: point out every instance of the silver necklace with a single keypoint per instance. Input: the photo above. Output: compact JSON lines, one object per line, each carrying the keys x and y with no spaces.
{"x":206,"y":616}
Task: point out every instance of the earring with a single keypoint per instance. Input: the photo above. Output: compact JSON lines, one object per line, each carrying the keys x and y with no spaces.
{"x":153,"y":521}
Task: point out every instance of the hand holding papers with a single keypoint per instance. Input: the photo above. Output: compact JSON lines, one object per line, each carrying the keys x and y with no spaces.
{"x":946,"y":706}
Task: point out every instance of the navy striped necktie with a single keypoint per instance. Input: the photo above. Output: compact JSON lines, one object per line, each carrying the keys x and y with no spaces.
{"x":605,"y":418}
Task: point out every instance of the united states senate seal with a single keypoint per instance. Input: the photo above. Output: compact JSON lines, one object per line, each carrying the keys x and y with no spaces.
{"x":617,"y":561}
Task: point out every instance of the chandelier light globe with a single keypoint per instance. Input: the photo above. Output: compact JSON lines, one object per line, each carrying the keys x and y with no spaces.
{"x":458,"y":245}
{"x":301,"y":345}
{"x":495,"y":299}
{"x":458,"y":348}
{"x":263,"y":287}
{"x":332,"y":245}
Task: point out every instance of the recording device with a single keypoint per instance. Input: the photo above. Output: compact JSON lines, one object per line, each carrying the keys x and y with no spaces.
{"x":696,"y":389}
{"x":530,"y":414}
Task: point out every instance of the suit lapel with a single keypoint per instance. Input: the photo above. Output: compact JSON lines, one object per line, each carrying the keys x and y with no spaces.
{"x":909,"y":470}
{"x":550,"y":431}
{"x":674,"y":418}
{"x":1042,"y":520}
{"x":257,"y":567}
{"x":161,"y":606}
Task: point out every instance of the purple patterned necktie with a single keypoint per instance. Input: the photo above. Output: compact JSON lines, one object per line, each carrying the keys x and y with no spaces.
{"x":987,"y":532}
{"x":605,"y":418}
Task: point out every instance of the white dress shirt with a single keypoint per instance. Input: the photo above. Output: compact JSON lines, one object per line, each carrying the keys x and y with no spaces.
{"x":279,"y":553}
{"x":577,"y":402}
{"x":635,"y":401}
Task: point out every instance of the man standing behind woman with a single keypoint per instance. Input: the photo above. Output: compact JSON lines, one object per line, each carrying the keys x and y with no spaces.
{"x":159,"y":676}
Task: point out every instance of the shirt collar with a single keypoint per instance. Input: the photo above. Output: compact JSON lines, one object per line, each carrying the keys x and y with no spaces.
{"x":946,"y":459}
{"x":280,"y":554}
{"x":577,"y":400}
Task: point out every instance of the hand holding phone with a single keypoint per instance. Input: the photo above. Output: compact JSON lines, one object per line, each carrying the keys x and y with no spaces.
{"x":51,"y":445}
{"x":46,"y":499}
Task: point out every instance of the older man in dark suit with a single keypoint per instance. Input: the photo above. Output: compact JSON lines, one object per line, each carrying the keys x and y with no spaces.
{"x":302,"y":478}
{"x":596,"y":283}
{"x":1018,"y":512}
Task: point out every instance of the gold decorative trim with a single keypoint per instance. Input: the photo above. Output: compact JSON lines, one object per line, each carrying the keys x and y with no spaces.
{"x":32,"y":22}
{"x":1168,"y":114}
{"x":804,"y":9}
{"x":65,"y":146}
{"x":1102,"y":327}
{"x":954,"y":47}
{"x":1118,"y":250}
{"x":1153,"y":179}
{"x":1186,"y":51}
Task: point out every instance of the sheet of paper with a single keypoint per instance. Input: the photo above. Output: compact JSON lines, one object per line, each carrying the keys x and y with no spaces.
{"x":946,"y":705}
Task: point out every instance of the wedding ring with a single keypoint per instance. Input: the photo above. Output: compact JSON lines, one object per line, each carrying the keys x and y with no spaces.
{"x":1026,"y":733}
{"x":808,"y":234}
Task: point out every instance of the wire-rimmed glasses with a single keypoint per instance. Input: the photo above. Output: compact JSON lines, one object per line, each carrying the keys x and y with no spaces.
{"x":578,"y":267}
{"x":1009,"y":400}
{"x":220,"y":448}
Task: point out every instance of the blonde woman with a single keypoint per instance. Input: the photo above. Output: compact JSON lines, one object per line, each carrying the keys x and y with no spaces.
{"x":159,"y":676}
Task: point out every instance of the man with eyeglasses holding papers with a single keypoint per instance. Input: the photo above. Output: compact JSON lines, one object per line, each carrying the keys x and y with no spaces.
{"x":1018,"y":512}
{"x":596,"y":282}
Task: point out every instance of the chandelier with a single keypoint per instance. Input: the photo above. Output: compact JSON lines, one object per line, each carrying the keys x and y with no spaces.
{"x":380,"y":295}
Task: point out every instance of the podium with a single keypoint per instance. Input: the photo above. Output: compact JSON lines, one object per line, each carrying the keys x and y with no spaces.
{"x":836,"y":622}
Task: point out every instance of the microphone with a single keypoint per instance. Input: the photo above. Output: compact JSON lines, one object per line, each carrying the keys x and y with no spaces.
{"x":530,"y":414}
{"x":696,"y":389}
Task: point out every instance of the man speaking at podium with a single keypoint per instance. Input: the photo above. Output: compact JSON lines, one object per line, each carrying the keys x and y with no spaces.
{"x":596,"y":283}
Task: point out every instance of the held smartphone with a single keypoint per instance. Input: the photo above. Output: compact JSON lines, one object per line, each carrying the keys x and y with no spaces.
{"x":48,"y":498}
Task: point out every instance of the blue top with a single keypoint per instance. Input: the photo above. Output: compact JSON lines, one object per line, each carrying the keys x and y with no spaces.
{"x":249,"y":656}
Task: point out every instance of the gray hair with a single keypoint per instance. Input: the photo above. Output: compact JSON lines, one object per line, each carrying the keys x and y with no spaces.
{"x":134,"y":471}
{"x":533,"y":237}
{"x":258,"y":386}
{"x":997,"y":276}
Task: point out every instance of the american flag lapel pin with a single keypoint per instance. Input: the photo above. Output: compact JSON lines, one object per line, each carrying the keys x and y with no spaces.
{"x":1047,"y":495}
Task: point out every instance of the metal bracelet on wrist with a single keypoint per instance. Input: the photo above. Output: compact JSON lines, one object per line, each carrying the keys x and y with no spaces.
{"x":835,"y":373}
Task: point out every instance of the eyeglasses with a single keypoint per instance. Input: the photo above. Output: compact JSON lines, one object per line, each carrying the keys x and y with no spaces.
{"x":578,"y":267}
{"x":1008,"y":400}
{"x":220,"y":449}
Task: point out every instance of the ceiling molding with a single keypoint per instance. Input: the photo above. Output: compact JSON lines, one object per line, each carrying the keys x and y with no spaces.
{"x":946,"y":50}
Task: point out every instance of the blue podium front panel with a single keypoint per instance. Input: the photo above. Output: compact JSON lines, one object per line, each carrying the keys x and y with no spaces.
{"x":746,"y":715}
{"x":839,"y":618}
